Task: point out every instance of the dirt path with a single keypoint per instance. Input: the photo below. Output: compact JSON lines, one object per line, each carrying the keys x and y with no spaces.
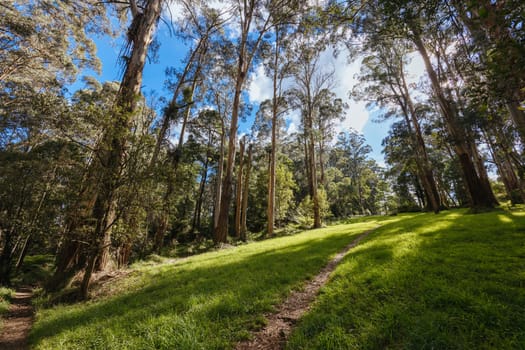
{"x":280,"y":323}
{"x":18,"y":321}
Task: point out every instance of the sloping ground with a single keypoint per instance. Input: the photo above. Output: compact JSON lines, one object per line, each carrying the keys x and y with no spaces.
{"x":450,"y":281}
{"x":210,"y":301}
{"x":447,"y":281}
{"x":281,"y":322}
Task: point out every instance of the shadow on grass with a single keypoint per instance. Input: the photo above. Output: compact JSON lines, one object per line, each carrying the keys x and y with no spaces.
{"x":208,"y":302}
{"x":449,"y":281}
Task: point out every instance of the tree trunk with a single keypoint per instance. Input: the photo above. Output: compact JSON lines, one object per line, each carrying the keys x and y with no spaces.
{"x":196,"y":223}
{"x":480,"y":194}
{"x":114,"y":143}
{"x":244,"y":210}
{"x":313,"y":172}
{"x":270,"y":211}
{"x":434,"y":202}
{"x":506,"y":172}
{"x":238,"y":194}
{"x":221,"y":230}
{"x":218,"y":189}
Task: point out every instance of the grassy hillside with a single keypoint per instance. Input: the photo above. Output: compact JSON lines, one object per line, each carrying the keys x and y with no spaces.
{"x":208,"y":301}
{"x":450,"y":281}
{"x":420,"y":281}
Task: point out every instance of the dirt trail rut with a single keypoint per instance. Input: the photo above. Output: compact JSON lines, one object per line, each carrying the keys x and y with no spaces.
{"x":18,"y":321}
{"x":279,"y":324}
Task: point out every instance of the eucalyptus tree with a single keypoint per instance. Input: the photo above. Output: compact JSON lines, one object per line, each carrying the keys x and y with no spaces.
{"x":44,"y":43}
{"x":496,"y":36}
{"x":331,"y":110}
{"x":201,"y":26}
{"x":312,"y":84}
{"x":383,"y":72}
{"x":101,"y":191}
{"x":351,"y":157}
{"x":253,"y":18}
{"x":278,"y":67}
{"x":414,"y":20}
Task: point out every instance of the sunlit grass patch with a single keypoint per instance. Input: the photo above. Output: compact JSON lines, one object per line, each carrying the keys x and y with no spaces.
{"x":435,"y":281}
{"x":207,"y":301}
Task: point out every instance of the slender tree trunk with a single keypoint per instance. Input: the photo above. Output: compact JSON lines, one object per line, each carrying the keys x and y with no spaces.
{"x":506,"y":172}
{"x":196,"y":223}
{"x":518,"y":117}
{"x":238,"y":195}
{"x":218,"y":189}
{"x":246,"y":53}
{"x":244,"y":210}
{"x":270,"y":211}
{"x":173,"y":107}
{"x":321,"y":163}
{"x":427,"y":178}
{"x":163,"y":218}
{"x":313,"y":171}
{"x":221,"y":230}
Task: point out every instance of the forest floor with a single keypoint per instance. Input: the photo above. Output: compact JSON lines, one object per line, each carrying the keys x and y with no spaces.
{"x":421,"y":281}
{"x":18,"y":320}
{"x":280,"y":323}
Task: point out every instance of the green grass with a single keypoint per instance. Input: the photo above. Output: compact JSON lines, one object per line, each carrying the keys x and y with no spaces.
{"x":5,"y":298}
{"x":208,"y":301}
{"x":447,"y":281}
{"x":35,"y":270}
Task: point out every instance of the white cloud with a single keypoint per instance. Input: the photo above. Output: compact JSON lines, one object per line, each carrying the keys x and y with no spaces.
{"x":293,"y":120}
{"x":357,"y":114}
{"x":260,"y":87}
{"x":416,"y":68}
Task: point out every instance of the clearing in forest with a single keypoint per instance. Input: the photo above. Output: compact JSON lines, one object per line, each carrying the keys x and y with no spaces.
{"x":208,"y":301}
{"x":419,"y":281}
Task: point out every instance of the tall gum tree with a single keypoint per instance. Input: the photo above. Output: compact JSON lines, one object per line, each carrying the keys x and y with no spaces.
{"x":42,"y":46}
{"x":385,"y":71}
{"x":311,"y":82}
{"x":496,"y":30}
{"x":113,"y":151}
{"x":106,"y":171}
{"x":255,"y":18}
{"x":413,"y":20}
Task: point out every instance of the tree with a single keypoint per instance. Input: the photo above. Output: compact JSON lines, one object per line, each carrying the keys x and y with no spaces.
{"x":99,"y":194}
{"x":497,"y":37}
{"x":311,"y":86}
{"x":385,"y":70}
{"x":414,"y":21}
{"x":249,"y":13}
